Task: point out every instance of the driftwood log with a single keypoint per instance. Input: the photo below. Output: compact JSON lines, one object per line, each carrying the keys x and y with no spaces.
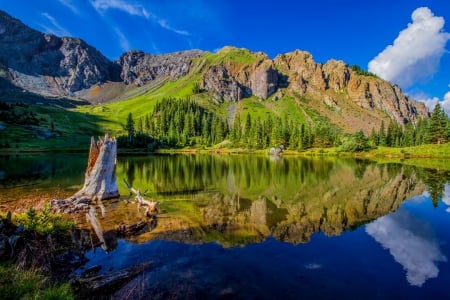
{"x":100,"y":181}
{"x":151,"y":207}
{"x":110,"y":281}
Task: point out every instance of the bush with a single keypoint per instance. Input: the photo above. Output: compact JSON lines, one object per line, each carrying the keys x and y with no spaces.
{"x":43,"y":222}
{"x":357,"y":69}
{"x":357,"y":142}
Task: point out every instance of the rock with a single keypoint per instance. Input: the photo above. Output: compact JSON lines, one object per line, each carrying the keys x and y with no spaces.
{"x":71,"y":259}
{"x":224,"y":86}
{"x":70,"y":205}
{"x":331,"y":102}
{"x":47,"y":64}
{"x":16,"y":242}
{"x":139,"y":68}
{"x":94,"y":270}
{"x":372,"y":93}
{"x":336,"y":75}
{"x":264,"y":80}
{"x":5,"y":247}
{"x":320,"y":81}
{"x":62,"y":66}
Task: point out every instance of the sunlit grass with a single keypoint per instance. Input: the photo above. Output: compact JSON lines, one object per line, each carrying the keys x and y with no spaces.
{"x":19,"y":284}
{"x":430,"y":151}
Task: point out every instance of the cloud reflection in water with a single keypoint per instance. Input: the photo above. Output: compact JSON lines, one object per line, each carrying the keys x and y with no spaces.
{"x":410,"y":241}
{"x":446,"y":196}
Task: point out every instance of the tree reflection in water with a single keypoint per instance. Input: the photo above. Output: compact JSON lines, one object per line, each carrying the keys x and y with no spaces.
{"x":241,"y":199}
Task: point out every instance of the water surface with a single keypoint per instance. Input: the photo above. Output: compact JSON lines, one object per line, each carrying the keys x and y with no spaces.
{"x":251,"y":227}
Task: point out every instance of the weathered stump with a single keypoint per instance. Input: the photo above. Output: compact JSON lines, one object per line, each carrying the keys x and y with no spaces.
{"x":100,"y":178}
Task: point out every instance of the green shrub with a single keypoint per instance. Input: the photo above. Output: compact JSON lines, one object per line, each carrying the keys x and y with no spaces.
{"x":43,"y":222}
{"x":357,"y":69}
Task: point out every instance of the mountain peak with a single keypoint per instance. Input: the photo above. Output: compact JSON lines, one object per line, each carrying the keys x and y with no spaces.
{"x":51,"y":65}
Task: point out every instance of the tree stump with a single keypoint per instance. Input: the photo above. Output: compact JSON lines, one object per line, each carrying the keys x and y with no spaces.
{"x":100,"y":177}
{"x":100,"y":181}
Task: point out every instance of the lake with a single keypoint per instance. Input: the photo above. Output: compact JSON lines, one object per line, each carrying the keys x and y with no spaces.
{"x":254,"y":227}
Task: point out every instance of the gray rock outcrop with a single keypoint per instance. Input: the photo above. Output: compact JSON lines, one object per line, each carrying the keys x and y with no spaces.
{"x":47,"y":64}
{"x":139,"y":68}
{"x":224,"y":86}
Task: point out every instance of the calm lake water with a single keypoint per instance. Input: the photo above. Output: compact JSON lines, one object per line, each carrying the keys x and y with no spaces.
{"x":250,"y":227}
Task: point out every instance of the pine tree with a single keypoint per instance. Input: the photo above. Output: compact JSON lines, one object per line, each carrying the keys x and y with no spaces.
{"x":373,"y":139}
{"x":409,"y":135}
{"x":438,"y":132}
{"x":382,"y":135}
{"x":129,"y":127}
{"x":247,"y":128}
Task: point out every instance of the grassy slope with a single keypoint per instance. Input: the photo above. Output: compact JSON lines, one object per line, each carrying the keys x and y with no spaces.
{"x":75,"y":126}
{"x":71,"y":129}
{"x":143,"y":104}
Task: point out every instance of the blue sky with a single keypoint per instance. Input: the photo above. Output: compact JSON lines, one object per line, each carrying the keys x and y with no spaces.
{"x":403,"y":41}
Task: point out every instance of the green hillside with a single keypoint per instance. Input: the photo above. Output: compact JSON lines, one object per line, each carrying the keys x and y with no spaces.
{"x":117,"y":112}
{"x":283,"y":118}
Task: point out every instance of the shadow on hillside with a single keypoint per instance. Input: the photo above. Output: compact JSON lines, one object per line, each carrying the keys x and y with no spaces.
{"x":10,"y":93}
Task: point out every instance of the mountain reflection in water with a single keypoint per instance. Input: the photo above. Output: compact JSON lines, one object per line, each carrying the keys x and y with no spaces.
{"x":244,"y":226}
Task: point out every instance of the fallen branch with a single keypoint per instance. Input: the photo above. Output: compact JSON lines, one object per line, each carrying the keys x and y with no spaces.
{"x":151,"y":206}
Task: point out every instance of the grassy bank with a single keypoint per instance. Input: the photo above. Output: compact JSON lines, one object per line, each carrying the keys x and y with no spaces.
{"x":20,"y":284}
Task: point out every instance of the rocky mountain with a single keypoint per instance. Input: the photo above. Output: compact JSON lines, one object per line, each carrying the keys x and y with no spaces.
{"x":335,"y":85}
{"x":45,"y":64}
{"x":140,"y":68}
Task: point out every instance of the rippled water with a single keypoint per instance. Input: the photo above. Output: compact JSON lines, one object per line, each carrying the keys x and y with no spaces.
{"x":254,"y":228}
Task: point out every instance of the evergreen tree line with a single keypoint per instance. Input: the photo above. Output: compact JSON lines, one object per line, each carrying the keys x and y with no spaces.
{"x":259,"y":133}
{"x":175,"y":123}
{"x":435,"y":130}
{"x":179,"y":123}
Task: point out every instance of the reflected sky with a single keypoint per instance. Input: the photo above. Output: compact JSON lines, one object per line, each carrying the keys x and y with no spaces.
{"x":446,"y":196}
{"x":412,"y":244}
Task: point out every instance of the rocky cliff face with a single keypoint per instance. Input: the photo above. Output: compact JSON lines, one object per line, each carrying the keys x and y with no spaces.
{"x":297,"y":71}
{"x":50,"y":65}
{"x":335,"y":79}
{"x":233,"y":80}
{"x":139,"y":68}
{"x":46,"y":64}
{"x":331,"y":209}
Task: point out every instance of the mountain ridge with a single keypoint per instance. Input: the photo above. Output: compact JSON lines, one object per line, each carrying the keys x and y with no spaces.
{"x":68,"y":67}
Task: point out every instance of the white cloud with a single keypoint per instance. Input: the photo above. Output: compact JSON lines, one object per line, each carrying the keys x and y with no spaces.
{"x":54,"y":27}
{"x":70,"y":5}
{"x":132,"y":9}
{"x":446,"y":196}
{"x":124,"y":43}
{"x":415,"y":53}
{"x":411,"y":243}
{"x":135,"y":10}
{"x":431,"y":102}
{"x":164,"y":24}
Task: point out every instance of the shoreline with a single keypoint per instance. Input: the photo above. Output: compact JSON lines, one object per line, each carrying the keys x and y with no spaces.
{"x":424,"y":151}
